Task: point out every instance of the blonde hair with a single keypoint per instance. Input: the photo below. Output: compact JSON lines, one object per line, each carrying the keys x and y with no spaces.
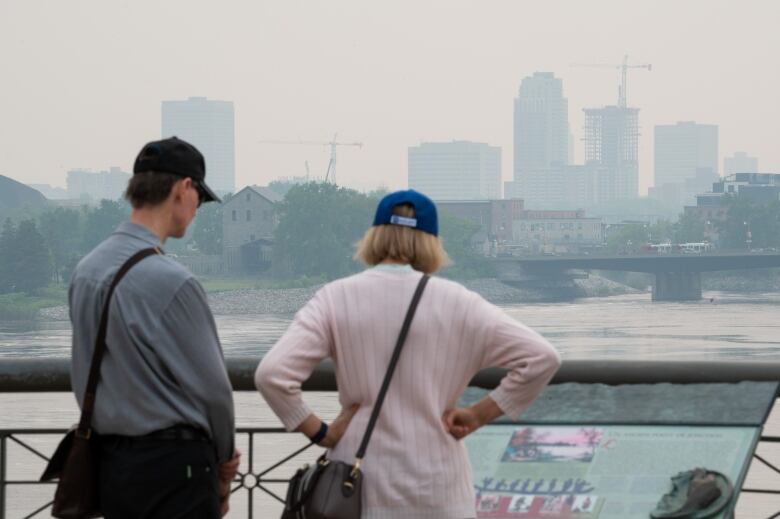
{"x":424,"y":252}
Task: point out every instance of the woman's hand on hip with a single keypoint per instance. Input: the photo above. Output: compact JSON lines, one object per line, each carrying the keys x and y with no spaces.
{"x":462,"y":421}
{"x":338,"y":427}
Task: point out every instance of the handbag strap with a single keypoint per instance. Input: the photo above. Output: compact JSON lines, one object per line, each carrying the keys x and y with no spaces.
{"x":100,"y":342}
{"x":390,"y":369}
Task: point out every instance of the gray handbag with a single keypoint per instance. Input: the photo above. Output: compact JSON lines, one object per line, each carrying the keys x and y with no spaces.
{"x":332,"y":489}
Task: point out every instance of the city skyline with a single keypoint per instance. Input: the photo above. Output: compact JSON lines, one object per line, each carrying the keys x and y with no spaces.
{"x":371,"y":73}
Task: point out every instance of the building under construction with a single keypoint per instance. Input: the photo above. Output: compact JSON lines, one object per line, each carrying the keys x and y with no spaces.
{"x":612,"y":141}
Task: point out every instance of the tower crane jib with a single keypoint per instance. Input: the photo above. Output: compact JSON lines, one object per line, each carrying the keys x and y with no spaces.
{"x":623,"y":68}
{"x":330,"y":172}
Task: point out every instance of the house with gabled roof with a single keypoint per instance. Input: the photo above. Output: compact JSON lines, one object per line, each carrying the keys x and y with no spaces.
{"x":248,"y":223}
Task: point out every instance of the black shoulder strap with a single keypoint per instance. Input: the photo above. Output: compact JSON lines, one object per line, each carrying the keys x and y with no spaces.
{"x":88,"y":405}
{"x":391,"y":368}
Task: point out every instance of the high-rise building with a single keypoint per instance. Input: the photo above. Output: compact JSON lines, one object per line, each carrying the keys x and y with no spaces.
{"x":563,"y":187}
{"x":209,"y":126}
{"x":541,"y":124}
{"x":94,"y":186}
{"x":740,"y":162}
{"x":612,"y":142}
{"x":686,"y":160}
{"x":457,"y":170}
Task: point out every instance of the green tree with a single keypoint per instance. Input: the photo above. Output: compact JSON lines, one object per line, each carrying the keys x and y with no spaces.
{"x":740,"y":219}
{"x":689,"y":229}
{"x":456,"y":234}
{"x":319,"y":223}
{"x":32,"y":265}
{"x":661,"y":232}
{"x":61,"y":230}
{"x":281,"y":187}
{"x":750,"y":224}
{"x":7,"y":255}
{"x":628,"y":238}
{"x":101,"y":221}
{"x":769,"y":233}
{"x":207,"y":228}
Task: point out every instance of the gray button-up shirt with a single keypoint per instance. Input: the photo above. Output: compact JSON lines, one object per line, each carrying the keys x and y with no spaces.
{"x":163,"y":364}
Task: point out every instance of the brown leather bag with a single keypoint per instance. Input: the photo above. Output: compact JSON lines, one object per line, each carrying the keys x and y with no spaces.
{"x":76,"y":462}
{"x":333,"y":489}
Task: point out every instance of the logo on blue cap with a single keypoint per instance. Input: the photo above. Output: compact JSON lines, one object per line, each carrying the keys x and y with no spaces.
{"x":424,"y":210}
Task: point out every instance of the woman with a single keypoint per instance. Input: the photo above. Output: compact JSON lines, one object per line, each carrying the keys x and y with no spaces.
{"x":416,"y":466}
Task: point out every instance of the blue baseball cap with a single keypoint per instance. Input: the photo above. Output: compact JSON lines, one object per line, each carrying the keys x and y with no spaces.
{"x":425,"y":218}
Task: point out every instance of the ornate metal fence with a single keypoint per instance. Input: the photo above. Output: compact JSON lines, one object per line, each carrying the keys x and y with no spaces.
{"x":250,"y":480}
{"x":36,"y":375}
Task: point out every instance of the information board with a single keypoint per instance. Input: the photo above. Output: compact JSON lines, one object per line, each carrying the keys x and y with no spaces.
{"x":595,"y":472}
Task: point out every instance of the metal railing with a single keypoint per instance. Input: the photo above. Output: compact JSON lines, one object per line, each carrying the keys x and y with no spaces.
{"x":28,"y":375}
{"x":250,"y":480}
{"x":52,"y":375}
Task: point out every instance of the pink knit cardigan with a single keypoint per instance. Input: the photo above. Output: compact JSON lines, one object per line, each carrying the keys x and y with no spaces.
{"x":413,"y":468}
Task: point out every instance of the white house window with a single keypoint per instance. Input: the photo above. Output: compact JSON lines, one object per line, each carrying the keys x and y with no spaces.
{"x":234,"y":215}
{"x":248,"y":215}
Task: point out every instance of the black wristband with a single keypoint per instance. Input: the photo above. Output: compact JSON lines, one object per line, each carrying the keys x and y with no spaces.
{"x":317,"y":438}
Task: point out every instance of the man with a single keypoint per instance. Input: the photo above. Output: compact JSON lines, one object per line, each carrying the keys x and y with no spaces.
{"x":164,"y":406}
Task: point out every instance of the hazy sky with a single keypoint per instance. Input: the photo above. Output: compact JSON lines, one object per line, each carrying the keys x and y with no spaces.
{"x":82,"y":81}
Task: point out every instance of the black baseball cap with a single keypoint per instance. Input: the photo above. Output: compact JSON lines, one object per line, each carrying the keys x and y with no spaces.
{"x":176,"y":157}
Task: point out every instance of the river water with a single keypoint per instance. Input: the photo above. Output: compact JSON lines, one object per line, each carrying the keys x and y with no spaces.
{"x":722,"y":326}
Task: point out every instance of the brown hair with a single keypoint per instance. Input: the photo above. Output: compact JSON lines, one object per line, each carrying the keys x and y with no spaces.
{"x":149,"y":188}
{"x":423,"y":251}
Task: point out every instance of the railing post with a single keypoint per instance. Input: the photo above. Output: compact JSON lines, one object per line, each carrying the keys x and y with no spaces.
{"x":3,"y":458}
{"x":250,"y":497}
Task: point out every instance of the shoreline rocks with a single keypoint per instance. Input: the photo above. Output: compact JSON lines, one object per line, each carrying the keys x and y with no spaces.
{"x":260,"y":300}
{"x":53,"y":313}
{"x":744,"y":283}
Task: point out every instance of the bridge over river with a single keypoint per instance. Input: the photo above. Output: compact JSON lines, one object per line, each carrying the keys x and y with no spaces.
{"x":677,"y":276}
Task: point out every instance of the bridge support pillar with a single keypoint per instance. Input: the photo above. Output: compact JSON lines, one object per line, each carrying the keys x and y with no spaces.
{"x":677,"y":286}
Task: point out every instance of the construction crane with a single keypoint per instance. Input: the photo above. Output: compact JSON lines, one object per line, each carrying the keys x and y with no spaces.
{"x":330,"y":173}
{"x":623,"y":68}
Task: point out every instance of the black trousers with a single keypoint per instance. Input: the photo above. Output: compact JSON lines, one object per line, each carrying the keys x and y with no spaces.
{"x":158,"y":479}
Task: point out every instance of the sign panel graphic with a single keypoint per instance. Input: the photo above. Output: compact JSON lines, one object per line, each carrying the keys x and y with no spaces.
{"x":594,"y":472}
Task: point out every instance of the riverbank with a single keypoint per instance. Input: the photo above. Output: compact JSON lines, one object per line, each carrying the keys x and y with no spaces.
{"x":288,"y":301}
{"x":248,"y":296}
{"x":741,"y":281}
{"x":25,"y":307}
{"x":267,"y":296}
{"x":226,"y":297}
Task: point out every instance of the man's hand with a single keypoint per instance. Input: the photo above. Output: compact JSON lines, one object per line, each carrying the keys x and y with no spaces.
{"x":462,"y":421}
{"x":339,"y":426}
{"x":227,"y":473}
{"x":229,"y":469}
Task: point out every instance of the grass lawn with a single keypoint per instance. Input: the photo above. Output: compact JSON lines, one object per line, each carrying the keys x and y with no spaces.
{"x":225,"y":284}
{"x":23,"y":306}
